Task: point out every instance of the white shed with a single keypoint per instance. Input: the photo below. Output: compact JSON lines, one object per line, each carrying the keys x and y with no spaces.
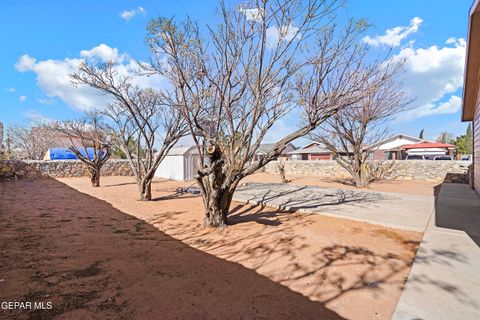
{"x":179,"y":164}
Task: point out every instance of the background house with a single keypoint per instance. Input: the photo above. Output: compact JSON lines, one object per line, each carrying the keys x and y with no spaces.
{"x":179,"y":164}
{"x":312,"y":151}
{"x":264,"y":148}
{"x":55,"y":139}
{"x":391,"y":148}
{"x":429,"y":150}
{"x":470,"y":106}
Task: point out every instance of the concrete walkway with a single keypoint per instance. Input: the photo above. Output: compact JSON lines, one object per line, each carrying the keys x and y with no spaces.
{"x":444,"y":282}
{"x":402,"y":211}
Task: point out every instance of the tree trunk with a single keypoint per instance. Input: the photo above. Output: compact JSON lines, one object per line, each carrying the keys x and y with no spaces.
{"x":145,"y":189}
{"x":281,"y":171}
{"x":359,"y":179}
{"x":216,"y":211}
{"x":359,"y":172}
{"x":95,"y":177}
{"x":217,"y":190}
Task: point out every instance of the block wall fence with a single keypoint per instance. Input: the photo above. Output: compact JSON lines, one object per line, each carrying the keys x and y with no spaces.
{"x":442,"y":171}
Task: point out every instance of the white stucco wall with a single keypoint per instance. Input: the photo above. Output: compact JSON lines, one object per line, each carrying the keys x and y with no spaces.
{"x":396,"y":143}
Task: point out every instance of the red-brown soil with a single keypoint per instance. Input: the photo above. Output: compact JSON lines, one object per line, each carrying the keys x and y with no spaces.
{"x":98,"y":253}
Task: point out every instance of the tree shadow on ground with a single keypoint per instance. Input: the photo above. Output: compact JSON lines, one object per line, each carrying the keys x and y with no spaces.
{"x":325,"y":279}
{"x":94,"y":261}
{"x":309,"y":199}
{"x":176,"y":195}
{"x":191,"y":191}
{"x":445,"y":258}
{"x":109,"y":185}
{"x":280,"y":252}
{"x":345,"y":181}
{"x":258,"y":213}
{"x":458,"y":208}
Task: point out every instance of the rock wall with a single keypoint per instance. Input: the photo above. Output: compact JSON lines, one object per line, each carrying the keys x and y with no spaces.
{"x":59,"y":168}
{"x":442,"y":171}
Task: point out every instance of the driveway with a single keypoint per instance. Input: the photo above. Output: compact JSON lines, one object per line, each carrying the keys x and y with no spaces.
{"x":401,"y":211}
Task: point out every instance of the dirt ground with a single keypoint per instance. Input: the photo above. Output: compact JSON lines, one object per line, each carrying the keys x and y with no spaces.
{"x":419,"y":187}
{"x":98,"y":253}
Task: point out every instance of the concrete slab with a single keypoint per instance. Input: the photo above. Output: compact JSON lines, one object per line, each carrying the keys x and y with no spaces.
{"x":444,"y":282}
{"x":402,"y":211}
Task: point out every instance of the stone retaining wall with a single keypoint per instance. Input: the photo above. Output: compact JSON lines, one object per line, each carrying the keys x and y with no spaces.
{"x":442,"y":171}
{"x":59,"y":168}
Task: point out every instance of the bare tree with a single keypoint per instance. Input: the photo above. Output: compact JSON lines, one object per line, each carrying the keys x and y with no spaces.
{"x":88,"y":140}
{"x":281,"y":169}
{"x":259,"y":63}
{"x":353,"y":133}
{"x":445,"y":137}
{"x":30,"y":141}
{"x":140,"y":121}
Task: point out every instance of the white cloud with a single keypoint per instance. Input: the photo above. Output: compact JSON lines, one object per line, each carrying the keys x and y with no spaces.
{"x":274,"y":33}
{"x":25,"y":63}
{"x":22,"y":98}
{"x":394,"y":36}
{"x":254,"y":14}
{"x":10,"y":89}
{"x":103,"y":53}
{"x":432,"y":75}
{"x":53,"y":76}
{"x":283,"y":33}
{"x":35,"y":116}
{"x":46,"y":101}
{"x":129,"y":14}
{"x":451,"y":40}
{"x":450,"y":106}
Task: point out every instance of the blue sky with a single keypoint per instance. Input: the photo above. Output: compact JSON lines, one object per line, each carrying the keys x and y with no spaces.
{"x":42,"y":40}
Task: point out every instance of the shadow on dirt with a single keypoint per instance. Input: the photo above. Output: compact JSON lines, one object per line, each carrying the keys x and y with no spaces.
{"x":93,"y":261}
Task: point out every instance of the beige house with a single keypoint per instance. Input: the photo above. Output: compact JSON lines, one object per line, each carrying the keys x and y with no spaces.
{"x":471,"y":94}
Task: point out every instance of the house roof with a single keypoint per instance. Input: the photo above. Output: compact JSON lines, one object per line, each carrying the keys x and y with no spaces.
{"x":426,"y":145}
{"x":472,"y":64}
{"x":316,"y":148}
{"x":309,"y":150}
{"x":264,"y":148}
{"x":179,"y":151}
{"x":399,"y":136}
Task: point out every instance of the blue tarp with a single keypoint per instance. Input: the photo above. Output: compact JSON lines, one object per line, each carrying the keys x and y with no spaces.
{"x":67,"y":154}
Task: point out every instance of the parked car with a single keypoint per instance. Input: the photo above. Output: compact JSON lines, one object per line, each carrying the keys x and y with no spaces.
{"x":415,"y":157}
{"x":443,"y":158}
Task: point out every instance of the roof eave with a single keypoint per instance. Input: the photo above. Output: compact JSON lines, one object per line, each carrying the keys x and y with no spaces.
{"x":472,"y":64}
